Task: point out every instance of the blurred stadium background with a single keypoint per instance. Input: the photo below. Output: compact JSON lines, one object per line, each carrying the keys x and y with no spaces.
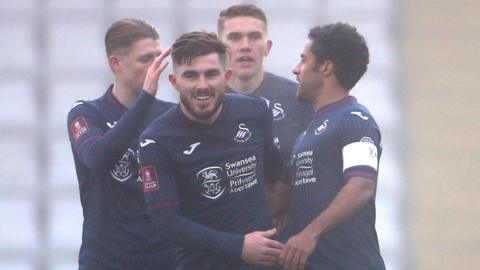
{"x":420,"y":86}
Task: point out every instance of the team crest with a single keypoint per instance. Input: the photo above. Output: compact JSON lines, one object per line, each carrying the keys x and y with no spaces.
{"x":321,"y":128}
{"x":278,"y":112}
{"x":243,"y":133}
{"x":210,"y":179}
{"x":123,"y":170}
{"x":79,"y":127}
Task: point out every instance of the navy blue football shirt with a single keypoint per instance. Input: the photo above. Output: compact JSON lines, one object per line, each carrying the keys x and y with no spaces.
{"x":290,"y":116}
{"x":205,"y":184}
{"x":342,"y":141}
{"x":117,"y":230}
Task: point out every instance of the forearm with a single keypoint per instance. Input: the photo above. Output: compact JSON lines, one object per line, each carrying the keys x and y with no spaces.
{"x":180,"y":230}
{"x":352,"y":197}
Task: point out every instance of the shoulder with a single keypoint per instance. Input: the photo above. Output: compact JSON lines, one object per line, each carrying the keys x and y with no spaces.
{"x":280,"y":84}
{"x":83,"y":108}
{"x":160,"y":106}
{"x":162,"y":124}
{"x":163,"y":104}
{"x":357,"y":117}
{"x":355,"y":110}
{"x":246,"y":103}
{"x":280,"y":80}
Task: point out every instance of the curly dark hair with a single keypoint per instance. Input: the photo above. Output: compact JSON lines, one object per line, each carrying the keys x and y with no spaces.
{"x":345,"y":47}
{"x":197,"y":43}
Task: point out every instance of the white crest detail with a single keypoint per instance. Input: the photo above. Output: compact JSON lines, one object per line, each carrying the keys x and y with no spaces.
{"x":122,"y":170}
{"x":243,"y":134}
{"x":192,"y":148}
{"x":146,"y":142}
{"x":211,"y":178}
{"x":276,"y":142}
{"x":278,"y":112}
{"x":359,"y":114}
{"x":321,"y":128}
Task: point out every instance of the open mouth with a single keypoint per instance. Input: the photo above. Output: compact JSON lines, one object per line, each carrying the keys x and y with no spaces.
{"x":202,"y":96}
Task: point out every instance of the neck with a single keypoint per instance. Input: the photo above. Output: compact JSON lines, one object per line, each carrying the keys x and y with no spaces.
{"x":328,"y":96}
{"x":125,"y":96}
{"x":247,"y":86}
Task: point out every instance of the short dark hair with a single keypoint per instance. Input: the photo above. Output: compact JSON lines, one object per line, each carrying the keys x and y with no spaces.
{"x":122,"y":34}
{"x":197,"y":43}
{"x":241,"y":10}
{"x":345,"y":47}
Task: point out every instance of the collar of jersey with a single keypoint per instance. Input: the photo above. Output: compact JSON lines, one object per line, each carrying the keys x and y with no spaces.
{"x":334,"y":105}
{"x":119,"y":106}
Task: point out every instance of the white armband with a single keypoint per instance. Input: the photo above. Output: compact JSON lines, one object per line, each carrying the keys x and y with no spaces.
{"x":360,"y":154}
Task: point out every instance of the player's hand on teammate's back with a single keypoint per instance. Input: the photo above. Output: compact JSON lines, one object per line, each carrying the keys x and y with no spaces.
{"x":259,"y":249}
{"x":297,"y":250}
{"x":153,"y":74}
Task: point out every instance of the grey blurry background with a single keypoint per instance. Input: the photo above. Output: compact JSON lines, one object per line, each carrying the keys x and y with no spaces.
{"x":420,"y":86}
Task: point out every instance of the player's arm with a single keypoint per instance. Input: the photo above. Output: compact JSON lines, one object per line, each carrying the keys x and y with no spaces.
{"x":352,"y":197}
{"x":360,"y":143}
{"x":99,"y":150}
{"x":163,"y":204}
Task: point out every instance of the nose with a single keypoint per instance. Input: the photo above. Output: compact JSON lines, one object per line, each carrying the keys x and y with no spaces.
{"x":296,"y":70}
{"x":202,"y":83}
{"x":245,"y":43}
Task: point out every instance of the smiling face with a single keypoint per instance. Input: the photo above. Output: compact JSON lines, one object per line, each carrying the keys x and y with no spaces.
{"x":247,"y":40}
{"x":201,"y":84}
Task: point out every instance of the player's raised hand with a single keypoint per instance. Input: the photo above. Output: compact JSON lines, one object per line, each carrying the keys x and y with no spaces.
{"x":153,"y":74}
{"x":259,"y":249}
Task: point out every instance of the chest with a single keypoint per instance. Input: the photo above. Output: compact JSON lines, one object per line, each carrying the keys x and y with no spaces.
{"x":220,"y":163}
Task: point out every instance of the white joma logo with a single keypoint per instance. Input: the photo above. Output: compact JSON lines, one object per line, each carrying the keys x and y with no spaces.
{"x":359,"y":114}
{"x":192,"y":148}
{"x":146,"y":142}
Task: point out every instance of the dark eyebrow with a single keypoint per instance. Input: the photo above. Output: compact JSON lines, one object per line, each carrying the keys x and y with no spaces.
{"x":189,"y":73}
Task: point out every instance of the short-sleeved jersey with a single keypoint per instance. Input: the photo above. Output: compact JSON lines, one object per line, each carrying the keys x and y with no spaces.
{"x":341,"y":142}
{"x":290,"y":116}
{"x":117,"y":231}
{"x":214,"y":175}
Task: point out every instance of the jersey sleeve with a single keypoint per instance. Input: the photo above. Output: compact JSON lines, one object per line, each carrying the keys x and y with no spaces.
{"x":359,"y":139}
{"x":161,"y":196}
{"x":97,"y":149}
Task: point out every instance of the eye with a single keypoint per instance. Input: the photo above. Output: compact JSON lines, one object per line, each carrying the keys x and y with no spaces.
{"x":303,"y":59}
{"x":255,"y":36}
{"x":212,"y":73}
{"x":189,"y":75}
{"x":234,"y":36}
{"x":145,"y":58}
